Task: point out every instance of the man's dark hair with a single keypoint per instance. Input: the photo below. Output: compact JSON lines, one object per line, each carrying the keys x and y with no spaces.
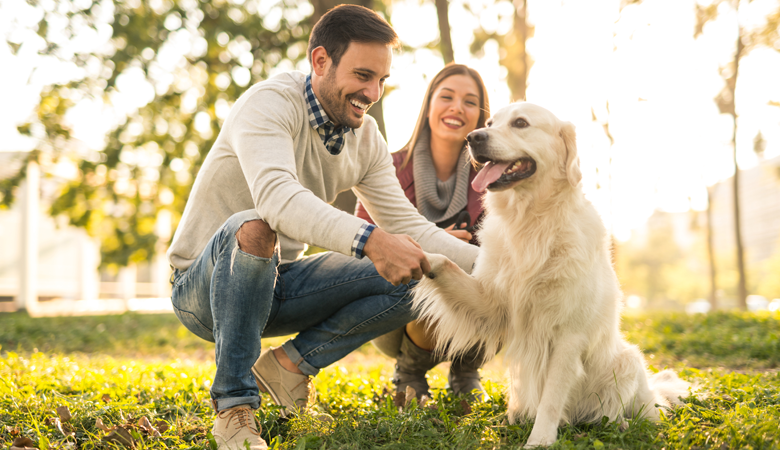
{"x":350,"y":23}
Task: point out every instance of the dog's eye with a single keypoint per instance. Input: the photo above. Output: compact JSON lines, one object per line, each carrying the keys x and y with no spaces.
{"x":520,"y":123}
{"x":489,"y":123}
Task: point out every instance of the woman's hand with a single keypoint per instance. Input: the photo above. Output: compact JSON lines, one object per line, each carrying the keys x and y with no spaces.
{"x":463,"y":235}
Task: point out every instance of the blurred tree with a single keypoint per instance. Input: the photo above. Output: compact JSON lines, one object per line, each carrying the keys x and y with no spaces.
{"x":182,"y":63}
{"x":746,"y":40}
{"x":511,"y":44}
{"x":445,"y":35}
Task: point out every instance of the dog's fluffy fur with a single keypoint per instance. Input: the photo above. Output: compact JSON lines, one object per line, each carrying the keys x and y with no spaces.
{"x":543,"y":287}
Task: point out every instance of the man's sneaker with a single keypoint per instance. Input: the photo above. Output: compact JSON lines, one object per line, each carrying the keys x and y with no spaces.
{"x":235,"y":427}
{"x":293,"y":391}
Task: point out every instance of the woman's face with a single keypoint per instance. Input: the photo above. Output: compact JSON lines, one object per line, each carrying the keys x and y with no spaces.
{"x":454,"y":109}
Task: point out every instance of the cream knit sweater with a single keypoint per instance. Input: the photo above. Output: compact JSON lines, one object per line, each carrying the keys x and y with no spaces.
{"x":267,"y":157}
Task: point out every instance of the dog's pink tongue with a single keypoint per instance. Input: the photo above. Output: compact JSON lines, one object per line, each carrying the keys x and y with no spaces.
{"x":490,"y":173}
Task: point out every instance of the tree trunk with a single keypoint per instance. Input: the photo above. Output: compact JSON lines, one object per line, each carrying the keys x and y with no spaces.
{"x":445,"y":40}
{"x":742,"y":287}
{"x":711,"y":254}
{"x":517,"y":61}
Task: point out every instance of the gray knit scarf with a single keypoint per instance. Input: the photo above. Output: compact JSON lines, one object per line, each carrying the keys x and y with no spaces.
{"x":439,"y":200}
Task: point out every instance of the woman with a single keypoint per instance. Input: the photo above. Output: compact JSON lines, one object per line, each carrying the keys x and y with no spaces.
{"x":435,"y":172}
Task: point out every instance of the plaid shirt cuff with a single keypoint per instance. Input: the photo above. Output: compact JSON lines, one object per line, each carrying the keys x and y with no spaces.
{"x":360,"y":239}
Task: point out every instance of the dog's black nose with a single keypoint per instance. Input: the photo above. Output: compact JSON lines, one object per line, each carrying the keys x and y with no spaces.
{"x":477,"y":137}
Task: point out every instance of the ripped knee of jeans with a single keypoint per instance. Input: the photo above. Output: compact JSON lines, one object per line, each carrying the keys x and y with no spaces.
{"x":256,"y":238}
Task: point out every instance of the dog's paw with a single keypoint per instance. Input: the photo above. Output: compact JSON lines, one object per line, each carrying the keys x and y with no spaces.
{"x":542,"y":436}
{"x":439,"y":264}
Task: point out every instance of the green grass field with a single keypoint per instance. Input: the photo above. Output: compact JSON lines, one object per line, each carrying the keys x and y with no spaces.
{"x":150,"y":377}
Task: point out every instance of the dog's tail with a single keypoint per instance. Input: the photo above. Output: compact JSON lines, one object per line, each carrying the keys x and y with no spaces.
{"x":669,"y":388}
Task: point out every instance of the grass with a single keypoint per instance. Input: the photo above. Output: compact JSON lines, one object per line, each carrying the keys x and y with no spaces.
{"x":148,"y":366}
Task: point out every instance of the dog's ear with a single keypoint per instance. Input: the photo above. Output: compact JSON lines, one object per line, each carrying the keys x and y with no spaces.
{"x":573,"y":173}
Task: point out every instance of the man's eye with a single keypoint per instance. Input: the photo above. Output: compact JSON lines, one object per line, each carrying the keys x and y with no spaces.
{"x":362,"y":76}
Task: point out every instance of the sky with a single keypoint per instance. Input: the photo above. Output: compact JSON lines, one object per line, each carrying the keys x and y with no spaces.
{"x":670,"y":141}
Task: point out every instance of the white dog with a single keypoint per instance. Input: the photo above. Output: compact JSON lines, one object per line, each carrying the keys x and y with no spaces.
{"x":543,"y":285}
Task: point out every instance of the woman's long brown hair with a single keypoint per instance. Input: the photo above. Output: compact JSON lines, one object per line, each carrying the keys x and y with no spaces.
{"x":422,"y":121}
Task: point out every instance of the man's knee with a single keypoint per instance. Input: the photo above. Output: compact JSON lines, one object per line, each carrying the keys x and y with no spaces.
{"x":256,"y":238}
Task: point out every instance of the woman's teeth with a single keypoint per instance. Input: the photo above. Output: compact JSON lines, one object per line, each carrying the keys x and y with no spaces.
{"x":358,"y":104}
{"x":456,"y":123}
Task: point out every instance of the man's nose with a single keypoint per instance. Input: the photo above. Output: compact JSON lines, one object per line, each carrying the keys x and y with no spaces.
{"x":374,"y":92}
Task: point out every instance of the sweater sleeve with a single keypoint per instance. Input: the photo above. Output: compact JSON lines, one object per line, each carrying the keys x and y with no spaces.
{"x":383,"y":199}
{"x":262,"y":138}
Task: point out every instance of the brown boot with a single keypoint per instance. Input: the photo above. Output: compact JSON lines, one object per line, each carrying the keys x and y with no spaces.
{"x":464,"y":375}
{"x":411,"y":366}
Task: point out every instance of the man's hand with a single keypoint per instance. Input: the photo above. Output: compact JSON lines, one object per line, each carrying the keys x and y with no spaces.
{"x":397,"y":257}
{"x":463,"y":235}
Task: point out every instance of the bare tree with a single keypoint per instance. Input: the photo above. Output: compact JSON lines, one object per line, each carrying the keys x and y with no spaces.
{"x":711,"y":254}
{"x":445,"y":40}
{"x":726,"y":101}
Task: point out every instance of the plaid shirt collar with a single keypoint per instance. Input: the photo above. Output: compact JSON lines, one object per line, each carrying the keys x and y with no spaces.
{"x":332,"y":136}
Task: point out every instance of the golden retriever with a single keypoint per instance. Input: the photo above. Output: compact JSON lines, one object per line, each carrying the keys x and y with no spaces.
{"x":543,"y":286}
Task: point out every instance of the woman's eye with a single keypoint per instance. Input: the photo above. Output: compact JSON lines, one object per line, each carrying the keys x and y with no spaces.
{"x":471,"y":103}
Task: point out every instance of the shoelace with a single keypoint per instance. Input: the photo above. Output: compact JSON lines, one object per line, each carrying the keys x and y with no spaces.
{"x":243,"y":416}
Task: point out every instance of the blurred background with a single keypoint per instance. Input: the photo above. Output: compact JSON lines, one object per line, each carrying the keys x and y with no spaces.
{"x":109,"y":108}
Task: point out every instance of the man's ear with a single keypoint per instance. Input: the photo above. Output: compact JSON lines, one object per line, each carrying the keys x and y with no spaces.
{"x":319,"y":60}
{"x":572,"y":167}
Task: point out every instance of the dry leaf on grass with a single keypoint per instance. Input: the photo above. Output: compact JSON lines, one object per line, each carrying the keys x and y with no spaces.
{"x":161,"y":426}
{"x":12,"y":431}
{"x":99,"y":424}
{"x":399,"y":400}
{"x":106,"y":398}
{"x":466,"y":407}
{"x":145,"y":425}
{"x":22,"y":443}
{"x":410,"y":395}
{"x":119,"y":436}
{"x":57,"y":424}
{"x":64,"y":413}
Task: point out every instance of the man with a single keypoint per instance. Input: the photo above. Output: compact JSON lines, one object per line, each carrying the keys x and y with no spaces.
{"x":288,"y":147}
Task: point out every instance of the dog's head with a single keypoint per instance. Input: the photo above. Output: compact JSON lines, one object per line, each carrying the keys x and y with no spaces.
{"x":521,"y":143}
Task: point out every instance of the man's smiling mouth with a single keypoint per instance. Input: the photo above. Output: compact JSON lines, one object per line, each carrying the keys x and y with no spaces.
{"x":358,"y":105}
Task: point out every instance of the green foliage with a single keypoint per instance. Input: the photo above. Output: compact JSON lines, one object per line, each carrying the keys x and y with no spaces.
{"x":197,"y":58}
{"x":733,"y":409}
{"x":737,"y":340}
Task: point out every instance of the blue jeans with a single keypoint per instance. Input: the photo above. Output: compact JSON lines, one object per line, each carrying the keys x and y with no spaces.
{"x":334,"y":302}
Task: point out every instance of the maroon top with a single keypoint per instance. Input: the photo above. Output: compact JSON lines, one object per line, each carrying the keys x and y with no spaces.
{"x":406,"y":178}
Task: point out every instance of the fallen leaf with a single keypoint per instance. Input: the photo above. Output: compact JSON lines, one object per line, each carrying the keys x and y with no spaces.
{"x":400,"y":399}
{"x":145,"y":425}
{"x":119,"y":436}
{"x":106,"y":398}
{"x":64,"y":413}
{"x":410,"y":395}
{"x":56,"y":422}
{"x":22,"y":442}
{"x":99,"y":424}
{"x":466,"y":407}
{"x":424,"y":400}
{"x":11,"y":431}
{"x":161,"y":426}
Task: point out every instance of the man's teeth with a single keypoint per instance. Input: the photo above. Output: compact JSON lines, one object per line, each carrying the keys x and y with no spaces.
{"x":358,"y":104}
{"x":456,"y":123}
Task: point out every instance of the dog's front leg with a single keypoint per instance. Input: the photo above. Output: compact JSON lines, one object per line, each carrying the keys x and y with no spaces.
{"x":563,"y":372}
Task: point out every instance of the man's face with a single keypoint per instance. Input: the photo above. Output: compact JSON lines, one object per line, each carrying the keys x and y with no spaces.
{"x":349,"y":89}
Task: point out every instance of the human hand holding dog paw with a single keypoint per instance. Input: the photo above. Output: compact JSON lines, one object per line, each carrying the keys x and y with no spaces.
{"x":439,"y":263}
{"x":397,"y":257}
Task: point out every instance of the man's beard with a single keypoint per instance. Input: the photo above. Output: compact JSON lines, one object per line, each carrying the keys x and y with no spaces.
{"x":337,"y":104}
